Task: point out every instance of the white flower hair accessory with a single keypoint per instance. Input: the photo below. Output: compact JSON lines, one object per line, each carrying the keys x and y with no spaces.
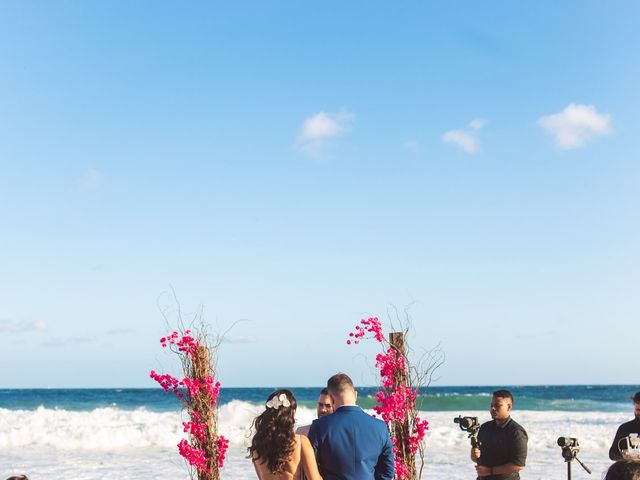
{"x":279,"y":401}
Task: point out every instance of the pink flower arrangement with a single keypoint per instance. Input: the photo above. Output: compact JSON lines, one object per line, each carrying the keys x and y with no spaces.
{"x":396,"y":402}
{"x":204,"y":449}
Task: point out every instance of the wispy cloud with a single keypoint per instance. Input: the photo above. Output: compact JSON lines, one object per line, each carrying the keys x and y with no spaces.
{"x":467,"y":138}
{"x":477,"y":123}
{"x":11,"y":326}
{"x":62,"y":342}
{"x":411,"y":145}
{"x":320,"y":130}
{"x":81,"y":339}
{"x":576,"y":125}
{"x":92,"y":179}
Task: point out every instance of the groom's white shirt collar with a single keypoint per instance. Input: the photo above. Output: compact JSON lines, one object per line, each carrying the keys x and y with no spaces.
{"x":347,"y":405}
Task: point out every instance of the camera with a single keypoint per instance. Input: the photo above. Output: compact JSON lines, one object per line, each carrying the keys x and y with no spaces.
{"x":471,"y":426}
{"x":467,"y":424}
{"x":568,"y":442}
{"x":570,"y":449}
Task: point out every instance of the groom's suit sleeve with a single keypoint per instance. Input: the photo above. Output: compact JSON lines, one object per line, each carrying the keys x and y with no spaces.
{"x":385,"y":468}
{"x":313,"y":438}
{"x":315,"y":443}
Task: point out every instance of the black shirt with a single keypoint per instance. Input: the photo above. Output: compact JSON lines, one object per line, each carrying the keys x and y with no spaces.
{"x":623,"y":430}
{"x":501,"y":444}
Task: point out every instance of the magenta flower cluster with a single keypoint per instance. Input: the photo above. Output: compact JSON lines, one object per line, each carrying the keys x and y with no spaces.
{"x":396,"y":403}
{"x":370,"y":325}
{"x":197,"y":430}
{"x":168,"y":383}
{"x":184,"y":343}
{"x":195,"y":456}
{"x":223,"y":446}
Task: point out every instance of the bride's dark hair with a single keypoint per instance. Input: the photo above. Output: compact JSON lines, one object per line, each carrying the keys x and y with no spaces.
{"x":273,"y":441}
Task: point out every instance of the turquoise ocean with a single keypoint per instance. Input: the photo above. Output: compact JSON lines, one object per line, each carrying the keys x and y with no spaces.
{"x":84,"y":434}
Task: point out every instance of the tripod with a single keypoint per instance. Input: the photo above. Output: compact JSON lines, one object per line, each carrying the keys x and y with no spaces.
{"x":570,"y":454}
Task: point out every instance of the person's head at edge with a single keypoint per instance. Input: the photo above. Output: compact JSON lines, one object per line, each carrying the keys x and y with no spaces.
{"x":624,"y":470}
{"x":274,"y":438}
{"x":341,"y":390}
{"x":18,"y":477}
{"x":501,"y":405}
{"x":324,"y":407}
{"x":636,"y":404}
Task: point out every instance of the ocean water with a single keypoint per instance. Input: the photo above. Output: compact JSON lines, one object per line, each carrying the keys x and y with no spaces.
{"x":91,"y":434}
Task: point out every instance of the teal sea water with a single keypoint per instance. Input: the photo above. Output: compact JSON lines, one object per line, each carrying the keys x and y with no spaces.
{"x":131,"y":434}
{"x":578,"y":398}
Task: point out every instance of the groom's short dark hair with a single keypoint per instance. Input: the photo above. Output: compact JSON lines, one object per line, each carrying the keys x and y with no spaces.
{"x":339,"y":383}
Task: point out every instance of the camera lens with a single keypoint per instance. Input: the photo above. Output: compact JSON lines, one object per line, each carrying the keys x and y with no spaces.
{"x":567,"y":442}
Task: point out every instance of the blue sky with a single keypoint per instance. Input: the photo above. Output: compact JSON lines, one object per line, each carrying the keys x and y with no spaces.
{"x":302,"y":165}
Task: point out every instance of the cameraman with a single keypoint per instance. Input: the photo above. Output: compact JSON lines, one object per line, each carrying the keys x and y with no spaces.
{"x":503,"y":442}
{"x":625,"y":429}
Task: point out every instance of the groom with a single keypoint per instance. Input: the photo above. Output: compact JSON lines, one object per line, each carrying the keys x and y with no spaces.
{"x":350,"y":444}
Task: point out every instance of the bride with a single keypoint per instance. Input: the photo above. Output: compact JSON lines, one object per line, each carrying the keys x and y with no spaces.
{"x":277,"y":452}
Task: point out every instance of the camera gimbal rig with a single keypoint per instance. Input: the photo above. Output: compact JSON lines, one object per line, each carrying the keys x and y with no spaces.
{"x":471,"y":426}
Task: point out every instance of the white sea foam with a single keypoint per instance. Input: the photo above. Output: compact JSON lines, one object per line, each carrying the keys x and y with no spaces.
{"x":112,"y":428}
{"x":99,"y":429}
{"x":139,"y":444}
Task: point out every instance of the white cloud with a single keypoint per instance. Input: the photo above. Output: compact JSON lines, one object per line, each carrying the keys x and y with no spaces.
{"x":319,"y":130}
{"x":92,"y":178}
{"x":411,"y":145}
{"x":477,"y":123}
{"x":466,"y":139}
{"x":63,"y":342}
{"x":81,"y":339}
{"x":576,"y":125}
{"x":10,"y":326}
{"x":53,"y":342}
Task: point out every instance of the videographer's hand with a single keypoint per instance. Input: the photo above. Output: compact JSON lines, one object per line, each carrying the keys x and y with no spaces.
{"x":483,"y":471}
{"x":475,"y":454}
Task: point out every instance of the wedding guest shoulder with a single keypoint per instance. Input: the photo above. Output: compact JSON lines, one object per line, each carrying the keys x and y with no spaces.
{"x":624,"y":470}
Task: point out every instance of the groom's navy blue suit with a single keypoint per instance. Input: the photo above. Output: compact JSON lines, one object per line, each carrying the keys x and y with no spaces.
{"x":352,"y":445}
